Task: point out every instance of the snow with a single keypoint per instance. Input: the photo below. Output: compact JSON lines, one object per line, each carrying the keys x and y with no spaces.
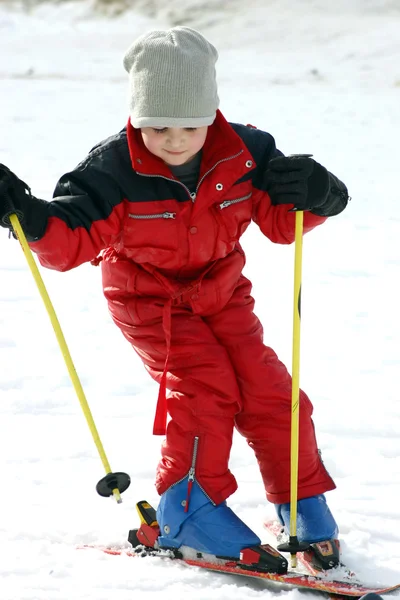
{"x":322,"y":77}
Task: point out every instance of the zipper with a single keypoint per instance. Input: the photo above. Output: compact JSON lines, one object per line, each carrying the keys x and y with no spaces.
{"x":191,"y":474}
{"x":193,"y":195}
{"x":167,"y":179}
{"x":227,"y":203}
{"x":212,"y":169}
{"x":192,"y":469}
{"x":191,"y":477}
{"x":164,"y":215}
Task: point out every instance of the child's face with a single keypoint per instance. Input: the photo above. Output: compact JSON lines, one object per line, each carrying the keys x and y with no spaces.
{"x":174,"y":145}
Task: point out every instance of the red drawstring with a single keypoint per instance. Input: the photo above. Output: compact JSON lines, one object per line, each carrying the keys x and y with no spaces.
{"x":190,"y":485}
{"x":160,"y":419}
{"x":96,"y":261}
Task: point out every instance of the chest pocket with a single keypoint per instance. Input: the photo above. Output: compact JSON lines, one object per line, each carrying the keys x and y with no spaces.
{"x":150,"y":232}
{"x":234,"y":215}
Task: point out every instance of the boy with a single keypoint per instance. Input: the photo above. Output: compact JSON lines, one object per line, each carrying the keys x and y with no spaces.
{"x":165,"y":202}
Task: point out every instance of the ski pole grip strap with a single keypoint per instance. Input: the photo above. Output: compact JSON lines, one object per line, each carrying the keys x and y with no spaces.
{"x":10,"y":210}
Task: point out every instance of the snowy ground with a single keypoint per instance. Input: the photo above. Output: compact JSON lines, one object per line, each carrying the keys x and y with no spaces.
{"x":323,"y":77}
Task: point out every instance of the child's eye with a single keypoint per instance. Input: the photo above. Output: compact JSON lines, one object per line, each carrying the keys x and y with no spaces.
{"x":163,"y":130}
{"x":190,"y":128}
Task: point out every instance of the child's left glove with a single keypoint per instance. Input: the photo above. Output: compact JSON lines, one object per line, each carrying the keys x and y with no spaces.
{"x":304,"y":183}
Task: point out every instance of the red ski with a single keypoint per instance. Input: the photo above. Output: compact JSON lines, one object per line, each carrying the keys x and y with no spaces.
{"x":319,"y":583}
{"x":144,"y":539}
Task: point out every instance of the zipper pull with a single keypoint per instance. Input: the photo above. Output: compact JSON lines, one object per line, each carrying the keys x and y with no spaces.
{"x":169,"y":215}
{"x":189,"y":490}
{"x":225,"y":204}
{"x":191,"y":472}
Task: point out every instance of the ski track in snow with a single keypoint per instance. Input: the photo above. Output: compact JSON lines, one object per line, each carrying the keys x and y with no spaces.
{"x":320,"y":82}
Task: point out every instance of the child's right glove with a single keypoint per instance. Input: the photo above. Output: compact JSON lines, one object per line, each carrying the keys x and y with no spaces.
{"x":16,"y":198}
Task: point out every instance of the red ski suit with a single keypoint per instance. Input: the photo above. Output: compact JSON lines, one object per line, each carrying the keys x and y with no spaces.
{"x":171,"y":265}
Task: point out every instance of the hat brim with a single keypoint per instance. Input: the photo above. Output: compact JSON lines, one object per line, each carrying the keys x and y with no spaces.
{"x":139,"y":122}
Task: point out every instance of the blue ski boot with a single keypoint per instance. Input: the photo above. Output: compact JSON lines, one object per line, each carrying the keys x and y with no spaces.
{"x":201,"y":525}
{"x":316,"y":526}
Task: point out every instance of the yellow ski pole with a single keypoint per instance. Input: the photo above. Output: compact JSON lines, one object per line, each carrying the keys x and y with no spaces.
{"x":294,"y":446}
{"x":113,"y":483}
{"x":294,"y":545}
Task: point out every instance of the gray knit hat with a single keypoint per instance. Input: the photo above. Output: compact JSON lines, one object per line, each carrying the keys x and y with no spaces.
{"x":172,"y":79}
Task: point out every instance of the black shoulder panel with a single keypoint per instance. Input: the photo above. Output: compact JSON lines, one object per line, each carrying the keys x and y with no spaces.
{"x":105,"y":178}
{"x":260,"y":143}
{"x":262,"y":147}
{"x":90,"y":192}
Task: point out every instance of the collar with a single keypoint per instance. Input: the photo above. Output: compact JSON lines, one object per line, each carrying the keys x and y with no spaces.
{"x":222,"y":143}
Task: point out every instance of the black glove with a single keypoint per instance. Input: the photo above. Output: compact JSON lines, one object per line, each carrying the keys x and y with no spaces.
{"x":297,"y":180}
{"x":16,"y":198}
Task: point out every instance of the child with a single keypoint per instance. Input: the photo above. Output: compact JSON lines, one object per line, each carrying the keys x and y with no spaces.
{"x":165,"y":202}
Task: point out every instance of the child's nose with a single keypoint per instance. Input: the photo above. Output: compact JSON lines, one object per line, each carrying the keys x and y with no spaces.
{"x":176,"y":139}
